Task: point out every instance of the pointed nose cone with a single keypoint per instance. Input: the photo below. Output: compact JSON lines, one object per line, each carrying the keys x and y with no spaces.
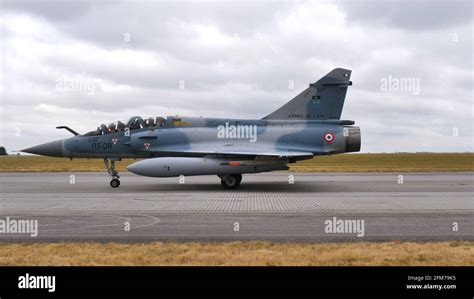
{"x":144,"y":167}
{"x":52,"y":149}
{"x":136,"y":168}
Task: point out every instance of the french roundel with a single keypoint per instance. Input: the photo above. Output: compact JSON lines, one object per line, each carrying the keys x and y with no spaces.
{"x":329,"y":137}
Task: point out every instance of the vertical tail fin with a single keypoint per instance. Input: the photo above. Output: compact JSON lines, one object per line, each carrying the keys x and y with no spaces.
{"x":321,"y":100}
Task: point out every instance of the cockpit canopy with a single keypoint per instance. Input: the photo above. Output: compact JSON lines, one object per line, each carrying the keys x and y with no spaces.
{"x":134,"y":123}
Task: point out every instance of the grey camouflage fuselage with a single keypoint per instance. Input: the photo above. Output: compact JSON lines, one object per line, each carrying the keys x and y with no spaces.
{"x":307,"y":126}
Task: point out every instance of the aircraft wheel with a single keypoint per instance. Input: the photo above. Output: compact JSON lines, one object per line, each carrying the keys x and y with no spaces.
{"x":231,"y":182}
{"x":239,"y":177}
{"x":114,"y":183}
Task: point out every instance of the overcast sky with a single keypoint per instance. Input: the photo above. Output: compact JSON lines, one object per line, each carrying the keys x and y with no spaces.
{"x":85,"y":63}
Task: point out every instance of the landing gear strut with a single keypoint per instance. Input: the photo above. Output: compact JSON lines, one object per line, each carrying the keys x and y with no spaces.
{"x":115,"y":182}
{"x":231,"y":182}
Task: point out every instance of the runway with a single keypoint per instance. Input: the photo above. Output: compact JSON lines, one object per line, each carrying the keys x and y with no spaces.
{"x":82,"y":207}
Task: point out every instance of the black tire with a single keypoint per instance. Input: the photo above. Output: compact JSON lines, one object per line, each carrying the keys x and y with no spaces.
{"x":114,"y":183}
{"x":239,"y":176}
{"x":231,"y":182}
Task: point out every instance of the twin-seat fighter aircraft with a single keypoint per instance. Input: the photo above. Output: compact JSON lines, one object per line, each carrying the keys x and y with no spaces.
{"x":308,"y":125}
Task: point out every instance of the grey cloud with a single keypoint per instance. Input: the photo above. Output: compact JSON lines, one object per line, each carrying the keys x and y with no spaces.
{"x":409,"y":15}
{"x":242,"y":68}
{"x":53,"y":10}
{"x":151,"y":24}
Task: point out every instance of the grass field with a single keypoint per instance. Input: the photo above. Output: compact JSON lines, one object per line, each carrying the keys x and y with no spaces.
{"x":240,"y":254}
{"x":400,"y":162}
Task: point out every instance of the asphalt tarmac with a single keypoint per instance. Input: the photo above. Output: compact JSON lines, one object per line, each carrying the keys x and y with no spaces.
{"x":317,"y":207}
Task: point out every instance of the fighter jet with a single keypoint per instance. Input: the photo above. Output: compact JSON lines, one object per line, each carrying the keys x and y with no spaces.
{"x":308,"y":125}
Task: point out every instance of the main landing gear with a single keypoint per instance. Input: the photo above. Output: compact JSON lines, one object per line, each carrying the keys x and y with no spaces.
{"x":115,"y":182}
{"x":231,"y":182}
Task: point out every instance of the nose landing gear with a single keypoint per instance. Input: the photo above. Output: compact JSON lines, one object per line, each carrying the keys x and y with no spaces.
{"x":115,"y":182}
